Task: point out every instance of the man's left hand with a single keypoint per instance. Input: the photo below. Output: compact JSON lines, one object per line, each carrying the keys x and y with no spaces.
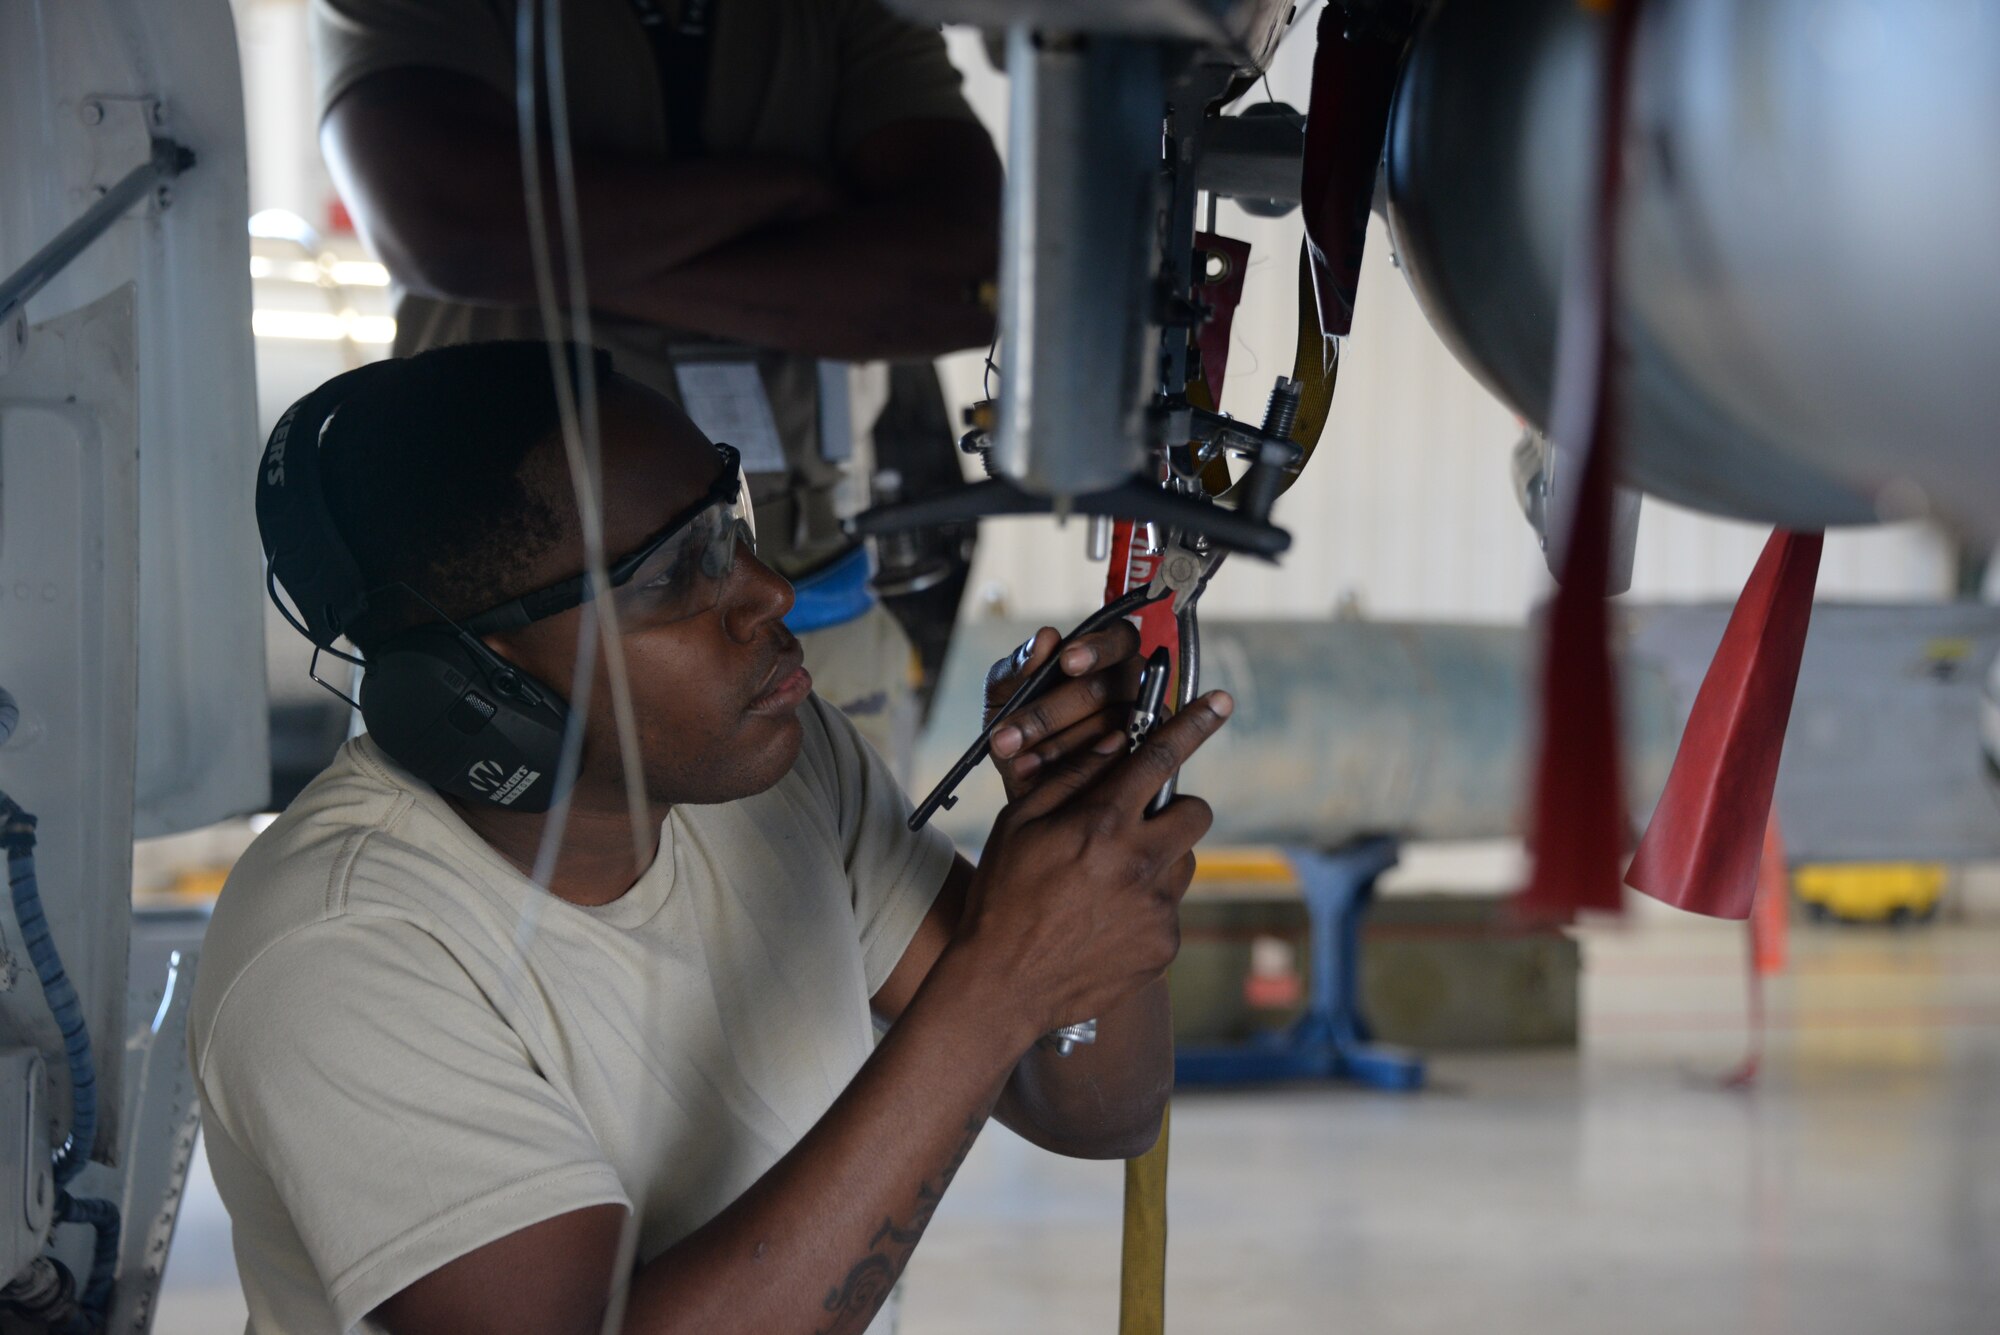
{"x":1085,"y":711}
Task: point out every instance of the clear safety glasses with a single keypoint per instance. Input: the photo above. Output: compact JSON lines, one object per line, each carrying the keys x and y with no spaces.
{"x":677,"y":573}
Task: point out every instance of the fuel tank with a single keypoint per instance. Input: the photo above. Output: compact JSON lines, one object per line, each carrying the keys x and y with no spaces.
{"x":1809,"y":287}
{"x":1341,"y":728}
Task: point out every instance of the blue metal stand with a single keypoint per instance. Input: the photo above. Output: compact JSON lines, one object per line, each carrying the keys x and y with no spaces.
{"x":1331,"y":1041}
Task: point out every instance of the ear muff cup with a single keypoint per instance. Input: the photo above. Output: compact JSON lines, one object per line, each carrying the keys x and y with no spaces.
{"x":459,"y":717}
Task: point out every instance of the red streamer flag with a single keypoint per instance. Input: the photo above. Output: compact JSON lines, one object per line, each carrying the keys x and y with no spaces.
{"x":1577,"y":831}
{"x":1353,"y":85}
{"x":1702,"y":848}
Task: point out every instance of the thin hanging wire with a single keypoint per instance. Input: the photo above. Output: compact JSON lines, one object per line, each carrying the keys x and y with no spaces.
{"x":576,"y":402}
{"x":577,"y":409}
{"x":550,"y":846}
{"x":571,"y":219}
{"x":570,"y":759}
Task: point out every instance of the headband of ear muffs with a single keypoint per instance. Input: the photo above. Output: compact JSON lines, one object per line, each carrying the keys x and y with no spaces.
{"x":436,"y":699}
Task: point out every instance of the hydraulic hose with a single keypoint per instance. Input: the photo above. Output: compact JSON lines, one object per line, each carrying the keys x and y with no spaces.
{"x":17,"y":836}
{"x":101,"y":1215}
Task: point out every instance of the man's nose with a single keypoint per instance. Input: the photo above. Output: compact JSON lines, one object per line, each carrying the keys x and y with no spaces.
{"x":755,"y":594}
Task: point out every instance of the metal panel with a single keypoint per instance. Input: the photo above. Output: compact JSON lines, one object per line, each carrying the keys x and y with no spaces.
{"x":27,"y":1182}
{"x":1249,"y":28}
{"x":88,"y":83}
{"x":69,"y":522}
{"x":162,"y":1114}
{"x":162,"y":1110}
{"x":1076,"y":269}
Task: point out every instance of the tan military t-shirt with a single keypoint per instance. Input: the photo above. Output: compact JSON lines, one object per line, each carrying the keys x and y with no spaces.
{"x":805,"y":78}
{"x":405,"y":1050}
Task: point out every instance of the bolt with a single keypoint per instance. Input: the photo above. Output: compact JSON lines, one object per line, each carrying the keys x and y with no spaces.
{"x":1283,"y":409}
{"x":91,"y":112}
{"x":164,"y":197}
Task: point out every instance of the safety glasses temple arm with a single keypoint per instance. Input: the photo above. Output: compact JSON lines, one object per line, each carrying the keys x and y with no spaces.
{"x":575,"y":591}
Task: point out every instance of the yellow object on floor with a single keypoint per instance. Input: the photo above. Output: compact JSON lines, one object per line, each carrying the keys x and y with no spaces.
{"x":1142,"y":1271}
{"x":197,"y":884}
{"x":1871,"y":891}
{"x":1244,"y":867}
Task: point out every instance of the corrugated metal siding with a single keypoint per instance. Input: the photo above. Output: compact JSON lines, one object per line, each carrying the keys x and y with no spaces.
{"x":1408,"y":508}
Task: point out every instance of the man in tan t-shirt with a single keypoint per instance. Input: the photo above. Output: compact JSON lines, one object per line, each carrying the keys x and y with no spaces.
{"x":762,"y":184}
{"x":438,"y":1097}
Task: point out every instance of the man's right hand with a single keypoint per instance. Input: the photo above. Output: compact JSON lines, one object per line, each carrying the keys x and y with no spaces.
{"x":1075,"y":904}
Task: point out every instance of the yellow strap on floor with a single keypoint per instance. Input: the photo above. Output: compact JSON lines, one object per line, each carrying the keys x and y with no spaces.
{"x":1142,"y":1277}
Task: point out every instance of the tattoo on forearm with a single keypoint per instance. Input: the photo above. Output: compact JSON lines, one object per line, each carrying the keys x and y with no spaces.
{"x":852,"y":1304}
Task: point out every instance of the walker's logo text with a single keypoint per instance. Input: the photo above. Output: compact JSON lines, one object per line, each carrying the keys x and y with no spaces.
{"x":485,"y":776}
{"x":274,"y":459}
{"x":489,"y":778}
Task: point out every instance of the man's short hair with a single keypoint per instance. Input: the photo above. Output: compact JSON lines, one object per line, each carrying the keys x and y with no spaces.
{"x":433,"y":476}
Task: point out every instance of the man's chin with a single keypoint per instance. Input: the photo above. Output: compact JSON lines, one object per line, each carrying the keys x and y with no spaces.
{"x":770,"y":747}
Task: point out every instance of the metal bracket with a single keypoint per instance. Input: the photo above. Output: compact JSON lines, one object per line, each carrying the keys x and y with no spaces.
{"x":1137,"y":498}
{"x":1180,"y":571}
{"x":167,"y":160}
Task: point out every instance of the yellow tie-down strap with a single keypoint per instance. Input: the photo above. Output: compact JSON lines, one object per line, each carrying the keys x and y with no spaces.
{"x":1142,"y":1270}
{"x":1142,"y":1286}
{"x":1315,"y":366}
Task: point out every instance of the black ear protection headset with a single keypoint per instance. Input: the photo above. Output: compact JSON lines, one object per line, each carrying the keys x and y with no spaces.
{"x":436,"y":699}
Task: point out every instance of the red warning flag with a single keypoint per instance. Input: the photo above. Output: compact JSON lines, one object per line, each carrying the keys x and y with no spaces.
{"x":1769,"y":930}
{"x":1353,"y":86}
{"x":1701,"y":851}
{"x":1771,"y":920}
{"x":1579,"y":826}
{"x":1577,"y":831}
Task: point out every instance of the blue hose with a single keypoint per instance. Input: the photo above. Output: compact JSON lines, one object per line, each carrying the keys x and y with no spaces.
{"x":96,"y":1298}
{"x":17,"y":836}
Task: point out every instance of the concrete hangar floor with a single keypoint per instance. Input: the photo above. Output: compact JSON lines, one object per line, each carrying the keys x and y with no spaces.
{"x":1853,"y":1190}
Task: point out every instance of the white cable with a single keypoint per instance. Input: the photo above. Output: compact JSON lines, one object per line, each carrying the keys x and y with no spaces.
{"x":570,"y":759}
{"x":582,"y":449}
{"x":549,"y":847}
{"x":584,"y":482}
{"x":581,"y":441}
{"x":570,"y":222}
